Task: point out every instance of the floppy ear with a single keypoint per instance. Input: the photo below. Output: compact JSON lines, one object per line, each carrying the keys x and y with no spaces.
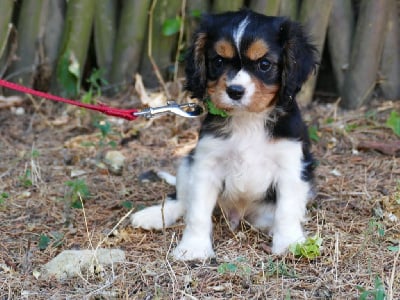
{"x":196,"y":77}
{"x":299,"y":58}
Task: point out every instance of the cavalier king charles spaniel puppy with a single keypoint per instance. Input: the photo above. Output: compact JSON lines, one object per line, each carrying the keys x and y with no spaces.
{"x":253,"y":154}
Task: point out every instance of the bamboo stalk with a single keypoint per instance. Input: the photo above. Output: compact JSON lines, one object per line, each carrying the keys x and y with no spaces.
{"x":289,"y":8}
{"x":315,"y":17}
{"x":129,"y":42}
{"x":390,"y":63}
{"x":75,"y":40}
{"x":30,"y":19}
{"x":105,"y":28}
{"x":50,"y":46}
{"x":269,"y":8}
{"x":6,"y":9}
{"x":223,"y":5}
{"x":340,"y":34}
{"x":360,"y":80}
{"x":162,"y":48}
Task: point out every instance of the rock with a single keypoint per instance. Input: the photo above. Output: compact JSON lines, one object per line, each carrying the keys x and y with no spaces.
{"x":71,"y":263}
{"x":115,"y":161}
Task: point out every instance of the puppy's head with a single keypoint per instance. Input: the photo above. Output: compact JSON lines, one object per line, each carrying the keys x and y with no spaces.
{"x":244,"y":61}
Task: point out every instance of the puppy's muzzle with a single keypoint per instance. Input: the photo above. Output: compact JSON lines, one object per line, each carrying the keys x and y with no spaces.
{"x":235,"y":91}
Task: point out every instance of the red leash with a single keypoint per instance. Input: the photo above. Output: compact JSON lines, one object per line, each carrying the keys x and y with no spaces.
{"x":186,"y":110}
{"x":128,"y":114}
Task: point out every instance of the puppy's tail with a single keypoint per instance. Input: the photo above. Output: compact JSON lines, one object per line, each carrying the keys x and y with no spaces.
{"x":159,"y":216}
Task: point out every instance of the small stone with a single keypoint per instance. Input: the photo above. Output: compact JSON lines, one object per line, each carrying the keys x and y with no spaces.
{"x":115,"y":161}
{"x":72,"y":263}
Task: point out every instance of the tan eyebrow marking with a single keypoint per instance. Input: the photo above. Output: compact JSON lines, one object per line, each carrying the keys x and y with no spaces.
{"x":225,"y":49}
{"x":257,"y":50}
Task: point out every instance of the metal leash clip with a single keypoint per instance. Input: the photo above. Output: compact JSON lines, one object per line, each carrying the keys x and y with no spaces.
{"x":186,"y":110}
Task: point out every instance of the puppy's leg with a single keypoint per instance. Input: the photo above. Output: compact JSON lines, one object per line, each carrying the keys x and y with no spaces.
{"x":152,"y":217}
{"x":196,"y":240}
{"x":290,"y":209}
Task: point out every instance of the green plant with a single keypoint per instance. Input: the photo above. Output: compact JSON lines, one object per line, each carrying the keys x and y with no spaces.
{"x":78,"y":190}
{"x":313,"y":133}
{"x":96,"y":81}
{"x":310,"y":248}
{"x":375,"y":226}
{"x":3,"y":197}
{"x":55,"y":239}
{"x":171,"y":26}
{"x":26,"y":179}
{"x":378,"y":293}
{"x":238,"y":267}
{"x":393,"y":122}
{"x":68,"y":74}
{"x":105,"y":132}
{"x":279,"y":268}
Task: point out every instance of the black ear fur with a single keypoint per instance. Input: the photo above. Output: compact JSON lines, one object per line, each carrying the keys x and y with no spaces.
{"x":299,"y":58}
{"x":196,"y":66}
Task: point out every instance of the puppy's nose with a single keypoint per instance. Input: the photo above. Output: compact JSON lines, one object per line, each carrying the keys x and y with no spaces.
{"x":235,"y":91}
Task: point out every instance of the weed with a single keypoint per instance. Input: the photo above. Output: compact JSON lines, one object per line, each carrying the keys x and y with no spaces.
{"x":96,"y":81}
{"x":393,"y":122}
{"x":55,"y":239}
{"x":26,"y":179}
{"x":171,"y":26}
{"x":374,"y":226}
{"x":78,"y":190}
{"x":105,"y":133}
{"x":313,"y":133}
{"x":44,"y":241}
{"x":310,"y":248}
{"x":68,"y":74}
{"x":238,"y":267}
{"x":279,"y":268}
{"x":378,"y":293}
{"x":3,"y":197}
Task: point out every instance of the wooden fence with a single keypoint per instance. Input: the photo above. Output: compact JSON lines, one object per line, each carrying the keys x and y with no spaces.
{"x":57,"y":44}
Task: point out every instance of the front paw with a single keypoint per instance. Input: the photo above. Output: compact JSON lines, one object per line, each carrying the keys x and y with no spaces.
{"x":194,"y":248}
{"x":148,"y":218}
{"x":281,"y":243}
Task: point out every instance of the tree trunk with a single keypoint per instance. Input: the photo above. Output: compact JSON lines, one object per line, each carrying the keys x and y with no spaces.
{"x":315,"y":16}
{"x":75,"y":43}
{"x":223,"y":5}
{"x":129,"y":42}
{"x":340,"y":34}
{"x":266,"y":7}
{"x":289,"y":8}
{"x":30,"y":19}
{"x":390,"y":63}
{"x":366,"y":52}
{"x":105,"y":28}
{"x":6,"y":8}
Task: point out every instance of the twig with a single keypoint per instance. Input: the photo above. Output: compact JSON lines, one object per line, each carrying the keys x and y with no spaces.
{"x":392,"y":275}
{"x":115,"y":227}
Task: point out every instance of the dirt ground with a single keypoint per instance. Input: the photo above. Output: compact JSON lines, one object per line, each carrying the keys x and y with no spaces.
{"x":356,"y":211}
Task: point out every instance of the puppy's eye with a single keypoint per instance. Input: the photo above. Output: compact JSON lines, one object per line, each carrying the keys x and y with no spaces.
{"x":264,"y":65}
{"x":218,"y":62}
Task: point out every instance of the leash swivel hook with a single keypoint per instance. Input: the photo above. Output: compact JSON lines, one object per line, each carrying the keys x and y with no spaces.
{"x":186,"y":110}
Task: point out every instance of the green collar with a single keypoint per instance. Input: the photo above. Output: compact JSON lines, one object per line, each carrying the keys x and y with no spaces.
{"x":213,"y":110}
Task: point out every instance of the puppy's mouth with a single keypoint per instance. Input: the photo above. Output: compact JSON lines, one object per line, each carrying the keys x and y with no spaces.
{"x":242,"y":93}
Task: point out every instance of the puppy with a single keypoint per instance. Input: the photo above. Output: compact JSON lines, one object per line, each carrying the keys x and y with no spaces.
{"x":253,"y":154}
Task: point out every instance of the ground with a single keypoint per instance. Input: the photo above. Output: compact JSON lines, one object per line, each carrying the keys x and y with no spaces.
{"x":50,"y":147}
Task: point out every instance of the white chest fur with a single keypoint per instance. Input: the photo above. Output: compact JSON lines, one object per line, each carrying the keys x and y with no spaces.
{"x":248,"y":162}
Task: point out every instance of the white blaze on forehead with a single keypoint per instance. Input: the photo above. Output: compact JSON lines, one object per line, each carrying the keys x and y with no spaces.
{"x":238,"y":33}
{"x":242,"y":78}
